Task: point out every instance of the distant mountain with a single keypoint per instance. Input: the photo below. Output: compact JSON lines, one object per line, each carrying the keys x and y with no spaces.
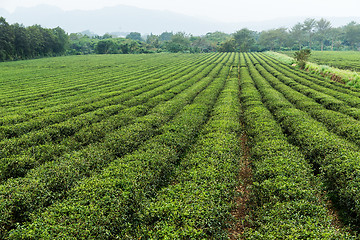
{"x":132,"y":19}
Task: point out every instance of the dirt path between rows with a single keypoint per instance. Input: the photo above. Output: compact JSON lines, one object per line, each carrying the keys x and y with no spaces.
{"x":242,"y":209}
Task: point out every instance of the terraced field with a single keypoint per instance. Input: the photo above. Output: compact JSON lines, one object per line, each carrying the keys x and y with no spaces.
{"x":154,"y":146}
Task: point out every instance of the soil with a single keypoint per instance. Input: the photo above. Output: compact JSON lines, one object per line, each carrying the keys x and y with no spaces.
{"x":241,"y":209}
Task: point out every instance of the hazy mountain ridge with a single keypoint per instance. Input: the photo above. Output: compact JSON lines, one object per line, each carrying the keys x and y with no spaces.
{"x":127,"y":19}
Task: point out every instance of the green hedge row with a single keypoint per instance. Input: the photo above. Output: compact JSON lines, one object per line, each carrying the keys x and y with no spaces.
{"x":334,"y":157}
{"x":86,"y":84}
{"x":197,"y":204}
{"x":110,"y":205}
{"x":118,"y":143}
{"x":339,"y":123}
{"x":51,"y":187}
{"x":130,"y":88}
{"x":327,"y":100}
{"x":286,"y":199}
{"x":40,"y":78}
{"x":84,"y":97}
{"x":45,"y":145}
{"x":323,"y":85}
{"x":315,"y":77}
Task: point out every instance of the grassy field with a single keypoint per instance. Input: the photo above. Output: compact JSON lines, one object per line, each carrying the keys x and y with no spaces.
{"x":339,"y":66}
{"x":348,"y":60}
{"x":153,"y":147}
{"x":340,"y":59}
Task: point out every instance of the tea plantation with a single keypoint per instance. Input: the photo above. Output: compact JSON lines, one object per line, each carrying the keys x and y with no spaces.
{"x":152,"y":147}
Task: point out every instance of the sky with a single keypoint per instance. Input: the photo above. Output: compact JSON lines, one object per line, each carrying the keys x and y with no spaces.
{"x":219,"y":10}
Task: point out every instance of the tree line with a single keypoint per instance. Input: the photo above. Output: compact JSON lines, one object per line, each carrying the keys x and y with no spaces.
{"x":311,"y":34}
{"x":136,"y":43}
{"x":19,"y":42}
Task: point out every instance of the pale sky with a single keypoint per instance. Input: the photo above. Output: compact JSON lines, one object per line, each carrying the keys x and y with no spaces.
{"x":219,"y":10}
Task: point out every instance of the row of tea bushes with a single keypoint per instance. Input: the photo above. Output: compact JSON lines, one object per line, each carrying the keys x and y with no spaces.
{"x":335,"y":158}
{"x":198,"y":203}
{"x":286,"y":199}
{"x":127,"y":182}
{"x":53,"y":180}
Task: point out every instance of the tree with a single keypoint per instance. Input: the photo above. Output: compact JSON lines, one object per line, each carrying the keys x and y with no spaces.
{"x":309,"y":29}
{"x":244,"y":40}
{"x":165,"y":36}
{"x":201,"y":44}
{"x":352,"y":34}
{"x":302,"y":56}
{"x":106,"y":46}
{"x":134,"y":36}
{"x":61,"y":40}
{"x":323,"y":28}
{"x":21,"y":42}
{"x":297,"y":34}
{"x":6,"y":40}
{"x":227,"y":46}
{"x":81,"y":44}
{"x":179,"y":43}
{"x":335,"y":34}
{"x":153,"y":41}
{"x":273,"y":39}
{"x":217,"y":37}
{"x":36,"y":40}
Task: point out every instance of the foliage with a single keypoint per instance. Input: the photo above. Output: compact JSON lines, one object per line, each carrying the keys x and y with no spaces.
{"x":227,"y":46}
{"x":323,"y":28}
{"x":244,"y":40}
{"x":150,"y":147}
{"x":19,"y":42}
{"x":339,"y":65}
{"x":179,"y":43}
{"x":285,"y":199}
{"x":302,"y":57}
{"x":134,"y":36}
{"x":352,"y":34}
{"x":273,"y":39}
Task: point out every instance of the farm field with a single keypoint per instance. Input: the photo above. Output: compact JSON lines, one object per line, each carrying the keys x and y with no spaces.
{"x":348,"y":60}
{"x":339,"y":59}
{"x":154,"y":147}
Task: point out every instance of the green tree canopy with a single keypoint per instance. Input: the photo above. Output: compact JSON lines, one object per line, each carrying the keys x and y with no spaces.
{"x":244,"y":40}
{"x":179,"y":43}
{"x":134,"y":36}
{"x":273,"y":39}
{"x":323,"y":29}
{"x":352,"y":34}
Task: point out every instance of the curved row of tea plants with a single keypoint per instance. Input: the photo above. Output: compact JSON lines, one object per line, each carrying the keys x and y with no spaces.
{"x":337,"y":122}
{"x":349,"y":96}
{"x":285,"y":198}
{"x":335,"y":158}
{"x":348,"y":77}
{"x":67,"y":86}
{"x":338,"y":59}
{"x":92,"y":133}
{"x":50,"y":182}
{"x":314,"y":78}
{"x":108,"y":89}
{"x":37,"y":77}
{"x":197,"y":204}
{"x":23,"y":153}
{"x":134,"y":173}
